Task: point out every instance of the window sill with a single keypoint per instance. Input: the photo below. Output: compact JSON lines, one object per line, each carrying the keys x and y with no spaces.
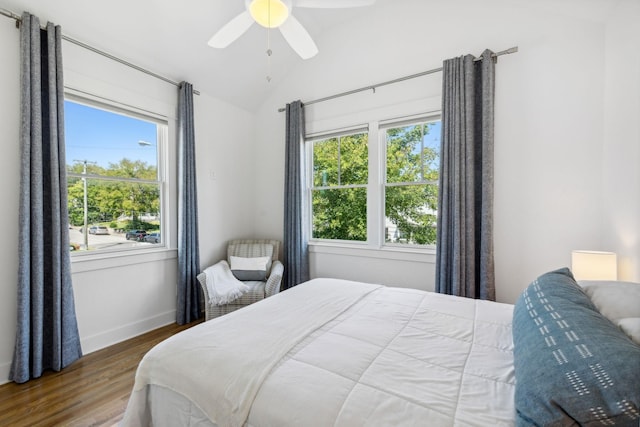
{"x":426,"y":255}
{"x":90,"y":262}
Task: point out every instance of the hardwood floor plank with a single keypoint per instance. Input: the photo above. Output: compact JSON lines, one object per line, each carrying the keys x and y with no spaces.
{"x":93,"y":391}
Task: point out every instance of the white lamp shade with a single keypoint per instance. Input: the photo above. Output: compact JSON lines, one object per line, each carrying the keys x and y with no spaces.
{"x":594,"y":265}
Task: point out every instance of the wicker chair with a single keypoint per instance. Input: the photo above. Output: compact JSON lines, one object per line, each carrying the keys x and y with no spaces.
{"x":258,"y":290}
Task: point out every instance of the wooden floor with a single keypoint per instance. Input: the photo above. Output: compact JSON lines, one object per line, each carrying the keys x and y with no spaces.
{"x":91,"y":392}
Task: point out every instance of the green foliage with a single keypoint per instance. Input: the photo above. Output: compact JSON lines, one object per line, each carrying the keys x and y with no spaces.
{"x":340,"y":213}
{"x":108,"y":200}
{"x":411,"y":193}
{"x":411,"y":208}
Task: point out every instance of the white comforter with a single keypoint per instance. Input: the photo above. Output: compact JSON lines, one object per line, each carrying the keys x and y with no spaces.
{"x":332,"y":352}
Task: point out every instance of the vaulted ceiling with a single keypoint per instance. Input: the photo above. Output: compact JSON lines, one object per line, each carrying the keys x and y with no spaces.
{"x":170,"y":37}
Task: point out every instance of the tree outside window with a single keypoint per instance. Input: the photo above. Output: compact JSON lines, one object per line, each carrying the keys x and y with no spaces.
{"x":411,"y":188}
{"x":409,"y":183}
{"x":113,"y":177}
{"x":339,"y":192}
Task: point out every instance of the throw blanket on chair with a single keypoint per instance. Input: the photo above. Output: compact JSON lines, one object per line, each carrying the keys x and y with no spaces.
{"x":222,"y":285}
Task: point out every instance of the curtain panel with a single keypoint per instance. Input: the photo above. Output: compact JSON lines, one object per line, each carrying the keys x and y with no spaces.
{"x":47,"y":331}
{"x":296,"y":250}
{"x":464,"y":254}
{"x":189,"y":298}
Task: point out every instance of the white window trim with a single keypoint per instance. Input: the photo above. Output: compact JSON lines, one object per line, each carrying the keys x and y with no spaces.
{"x":103,"y":259}
{"x":413,"y":254}
{"x":309,"y":141}
{"x":387,"y":124}
{"x":107,"y":260}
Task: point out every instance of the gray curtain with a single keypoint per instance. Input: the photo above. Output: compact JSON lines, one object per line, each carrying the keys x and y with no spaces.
{"x":296,"y":251}
{"x":47,"y":330}
{"x":464,"y":254}
{"x":189,"y":296}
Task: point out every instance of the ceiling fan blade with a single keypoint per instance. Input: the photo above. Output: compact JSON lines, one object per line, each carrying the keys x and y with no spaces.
{"x":231,"y":31}
{"x":298,"y":38}
{"x":333,"y":4}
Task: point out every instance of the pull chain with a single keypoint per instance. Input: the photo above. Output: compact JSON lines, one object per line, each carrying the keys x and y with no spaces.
{"x":269,"y":52}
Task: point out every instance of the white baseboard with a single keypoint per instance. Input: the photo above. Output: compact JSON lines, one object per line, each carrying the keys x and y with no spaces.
{"x":110,"y":337}
{"x":122,"y":333}
{"x":4,"y":372}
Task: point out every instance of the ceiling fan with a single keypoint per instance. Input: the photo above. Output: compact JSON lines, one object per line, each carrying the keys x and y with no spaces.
{"x":277,"y":14}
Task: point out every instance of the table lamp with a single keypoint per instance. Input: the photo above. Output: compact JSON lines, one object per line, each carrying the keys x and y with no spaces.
{"x":594,"y":265}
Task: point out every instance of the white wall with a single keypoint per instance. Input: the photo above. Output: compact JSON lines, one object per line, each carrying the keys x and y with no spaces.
{"x":119,"y":297}
{"x":549,"y":132}
{"x":621,"y":175}
{"x":9,"y":185}
{"x":225,"y":167}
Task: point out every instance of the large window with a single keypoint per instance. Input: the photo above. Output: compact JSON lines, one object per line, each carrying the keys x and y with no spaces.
{"x":114,"y":178}
{"x":383,"y":191}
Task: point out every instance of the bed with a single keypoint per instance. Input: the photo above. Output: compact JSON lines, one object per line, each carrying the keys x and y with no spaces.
{"x":341,"y":353}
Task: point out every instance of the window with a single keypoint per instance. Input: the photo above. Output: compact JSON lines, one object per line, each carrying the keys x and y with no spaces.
{"x":339,"y":189}
{"x":354,"y":177}
{"x":114,"y":178}
{"x":411,"y":184}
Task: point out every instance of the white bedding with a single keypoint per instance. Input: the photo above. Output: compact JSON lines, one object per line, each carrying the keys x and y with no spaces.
{"x":333,"y":352}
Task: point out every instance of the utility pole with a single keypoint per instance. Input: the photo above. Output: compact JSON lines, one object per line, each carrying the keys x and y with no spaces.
{"x":85,"y":229}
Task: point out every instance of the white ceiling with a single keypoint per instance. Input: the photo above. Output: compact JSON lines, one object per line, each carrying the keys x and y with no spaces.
{"x":170,"y":37}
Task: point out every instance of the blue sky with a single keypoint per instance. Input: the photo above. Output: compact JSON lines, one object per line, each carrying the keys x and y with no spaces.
{"x":432,"y":139}
{"x":104,"y":137}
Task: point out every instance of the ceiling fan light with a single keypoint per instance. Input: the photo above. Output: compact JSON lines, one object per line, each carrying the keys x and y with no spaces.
{"x":269,"y":13}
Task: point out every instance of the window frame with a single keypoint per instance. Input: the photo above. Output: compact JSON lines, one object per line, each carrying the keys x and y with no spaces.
{"x":162,"y":158}
{"x":431,"y":118}
{"x":376,"y":186}
{"x":309,"y":144}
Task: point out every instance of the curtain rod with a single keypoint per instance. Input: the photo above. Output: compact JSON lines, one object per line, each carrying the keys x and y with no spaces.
{"x":389,"y":82}
{"x":18,"y":19}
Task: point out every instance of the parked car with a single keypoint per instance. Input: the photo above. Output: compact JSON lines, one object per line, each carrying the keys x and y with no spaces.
{"x":98,"y":229}
{"x":135,"y":235}
{"x":152,"y":238}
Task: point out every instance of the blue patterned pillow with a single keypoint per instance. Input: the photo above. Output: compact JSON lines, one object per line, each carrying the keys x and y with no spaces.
{"x":572,"y":365}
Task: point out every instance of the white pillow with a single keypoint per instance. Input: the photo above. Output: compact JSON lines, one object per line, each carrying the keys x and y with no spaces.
{"x":249,"y":268}
{"x":631,"y":327}
{"x":618,"y":301}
